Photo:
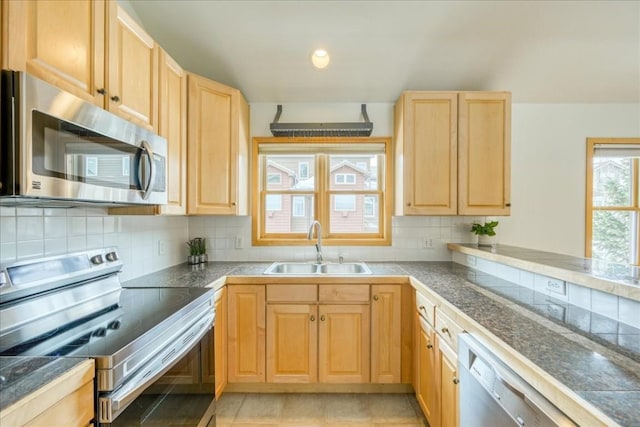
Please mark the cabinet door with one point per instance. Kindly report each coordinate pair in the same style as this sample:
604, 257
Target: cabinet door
429, 144
343, 343
220, 340
448, 378
172, 124
426, 392
217, 148
132, 70
246, 333
484, 150
59, 41
292, 343
385, 333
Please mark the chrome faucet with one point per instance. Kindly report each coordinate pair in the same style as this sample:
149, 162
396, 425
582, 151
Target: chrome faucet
319, 236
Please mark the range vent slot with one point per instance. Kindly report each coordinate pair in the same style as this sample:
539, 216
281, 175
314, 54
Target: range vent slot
322, 129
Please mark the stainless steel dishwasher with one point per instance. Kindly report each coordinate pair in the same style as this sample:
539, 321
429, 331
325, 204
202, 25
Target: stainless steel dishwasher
493, 395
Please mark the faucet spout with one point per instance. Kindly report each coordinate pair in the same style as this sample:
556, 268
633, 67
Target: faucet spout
316, 224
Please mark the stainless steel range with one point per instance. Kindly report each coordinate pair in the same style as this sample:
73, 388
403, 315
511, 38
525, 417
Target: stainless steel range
153, 347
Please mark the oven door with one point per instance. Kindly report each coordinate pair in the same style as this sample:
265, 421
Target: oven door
176, 388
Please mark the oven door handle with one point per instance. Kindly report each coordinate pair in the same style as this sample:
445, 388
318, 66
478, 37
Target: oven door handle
148, 151
113, 403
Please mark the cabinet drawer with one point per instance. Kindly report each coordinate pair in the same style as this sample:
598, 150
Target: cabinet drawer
447, 329
292, 293
425, 308
344, 293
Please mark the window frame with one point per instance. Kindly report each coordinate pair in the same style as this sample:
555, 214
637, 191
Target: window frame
635, 196
322, 192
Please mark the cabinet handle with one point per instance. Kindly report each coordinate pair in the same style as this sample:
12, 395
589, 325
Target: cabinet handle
446, 331
312, 318
115, 98
409, 204
422, 308
233, 203
322, 318
456, 380
376, 298
508, 205
101, 91
429, 346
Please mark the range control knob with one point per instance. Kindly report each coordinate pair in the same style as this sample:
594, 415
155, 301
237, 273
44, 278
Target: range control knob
100, 332
115, 324
97, 260
112, 256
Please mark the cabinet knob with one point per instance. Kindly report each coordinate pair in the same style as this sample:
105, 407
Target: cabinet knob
312, 318
446, 331
429, 346
409, 204
233, 203
101, 91
456, 380
508, 205
376, 298
115, 98
422, 308
322, 318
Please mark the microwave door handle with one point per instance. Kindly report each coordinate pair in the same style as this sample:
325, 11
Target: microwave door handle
148, 151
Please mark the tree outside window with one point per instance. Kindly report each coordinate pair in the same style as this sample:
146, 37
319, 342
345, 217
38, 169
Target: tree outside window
613, 210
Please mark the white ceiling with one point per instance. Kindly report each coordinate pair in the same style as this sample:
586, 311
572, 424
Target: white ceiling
541, 51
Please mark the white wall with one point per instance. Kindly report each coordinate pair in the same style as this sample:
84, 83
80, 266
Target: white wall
548, 168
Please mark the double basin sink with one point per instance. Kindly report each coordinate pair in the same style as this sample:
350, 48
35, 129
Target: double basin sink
302, 268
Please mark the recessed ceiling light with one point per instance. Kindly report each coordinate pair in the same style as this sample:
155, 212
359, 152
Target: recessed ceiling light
320, 58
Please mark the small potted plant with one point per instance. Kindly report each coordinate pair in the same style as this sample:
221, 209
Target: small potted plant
485, 232
197, 250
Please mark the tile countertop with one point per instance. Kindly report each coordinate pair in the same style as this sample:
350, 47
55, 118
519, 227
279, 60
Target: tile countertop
591, 374
618, 279
21, 376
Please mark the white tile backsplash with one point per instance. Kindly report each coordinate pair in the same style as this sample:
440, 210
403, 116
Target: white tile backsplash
604, 304
629, 312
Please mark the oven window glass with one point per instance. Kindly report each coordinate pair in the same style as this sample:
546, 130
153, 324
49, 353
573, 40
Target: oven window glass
64, 150
183, 396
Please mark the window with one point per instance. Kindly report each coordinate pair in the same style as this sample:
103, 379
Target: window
345, 197
91, 166
274, 178
298, 206
613, 200
345, 178
274, 202
369, 206
344, 202
303, 170
126, 164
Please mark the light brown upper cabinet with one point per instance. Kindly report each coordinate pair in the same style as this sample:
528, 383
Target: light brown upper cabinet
217, 149
74, 57
453, 153
132, 62
172, 124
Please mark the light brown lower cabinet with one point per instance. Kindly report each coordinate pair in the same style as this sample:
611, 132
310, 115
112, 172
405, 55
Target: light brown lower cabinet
68, 401
246, 333
425, 383
436, 366
292, 343
386, 331
220, 341
343, 341
447, 376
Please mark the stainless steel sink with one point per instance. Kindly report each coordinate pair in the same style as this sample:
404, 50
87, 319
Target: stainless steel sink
304, 268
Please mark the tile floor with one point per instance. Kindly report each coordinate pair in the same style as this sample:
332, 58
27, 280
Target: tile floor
318, 410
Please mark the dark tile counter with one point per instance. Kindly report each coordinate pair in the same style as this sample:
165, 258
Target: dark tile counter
21, 376
602, 372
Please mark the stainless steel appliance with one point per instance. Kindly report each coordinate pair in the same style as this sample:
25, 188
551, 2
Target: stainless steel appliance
58, 148
153, 347
492, 395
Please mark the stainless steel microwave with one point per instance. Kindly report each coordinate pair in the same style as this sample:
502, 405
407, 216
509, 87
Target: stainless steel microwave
59, 150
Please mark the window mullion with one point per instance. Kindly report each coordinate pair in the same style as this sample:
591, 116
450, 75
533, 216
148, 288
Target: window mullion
322, 202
